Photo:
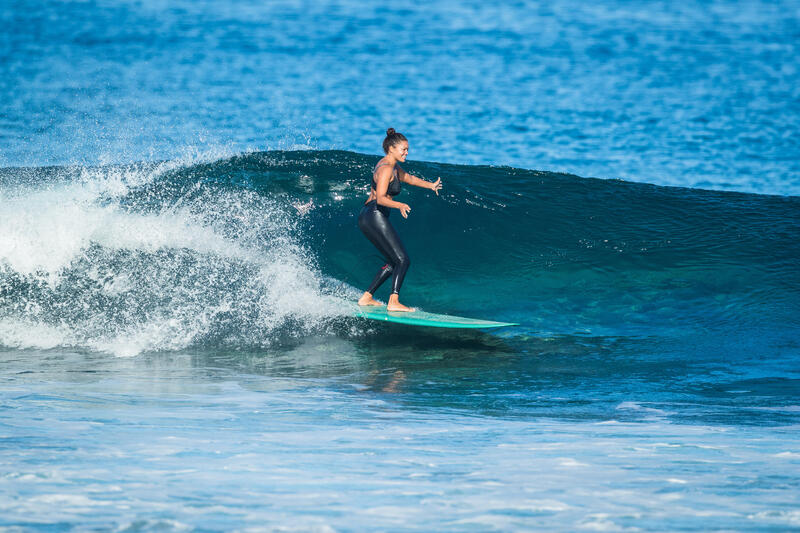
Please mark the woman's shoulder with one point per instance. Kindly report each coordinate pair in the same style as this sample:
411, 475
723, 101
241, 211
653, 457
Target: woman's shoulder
382, 163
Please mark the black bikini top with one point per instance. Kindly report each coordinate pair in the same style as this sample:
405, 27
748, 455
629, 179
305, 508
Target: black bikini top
394, 185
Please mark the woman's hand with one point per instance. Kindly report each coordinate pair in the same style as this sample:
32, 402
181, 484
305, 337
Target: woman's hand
404, 210
436, 186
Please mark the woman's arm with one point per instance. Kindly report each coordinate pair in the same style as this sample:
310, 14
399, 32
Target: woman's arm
405, 177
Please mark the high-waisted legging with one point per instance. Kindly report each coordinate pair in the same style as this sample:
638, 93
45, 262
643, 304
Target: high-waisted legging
373, 221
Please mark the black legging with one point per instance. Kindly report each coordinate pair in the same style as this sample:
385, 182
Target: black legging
373, 221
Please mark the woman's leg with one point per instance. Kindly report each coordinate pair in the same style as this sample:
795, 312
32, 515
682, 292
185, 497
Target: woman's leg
401, 264
383, 274
376, 227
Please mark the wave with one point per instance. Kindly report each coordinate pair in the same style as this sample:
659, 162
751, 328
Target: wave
248, 249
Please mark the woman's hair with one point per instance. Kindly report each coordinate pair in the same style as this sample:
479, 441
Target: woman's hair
392, 138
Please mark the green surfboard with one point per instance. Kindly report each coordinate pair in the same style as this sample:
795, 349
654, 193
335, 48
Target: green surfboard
421, 318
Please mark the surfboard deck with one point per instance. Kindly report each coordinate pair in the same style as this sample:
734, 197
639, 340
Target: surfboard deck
422, 318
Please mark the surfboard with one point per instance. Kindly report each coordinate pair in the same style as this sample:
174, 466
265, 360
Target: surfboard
422, 318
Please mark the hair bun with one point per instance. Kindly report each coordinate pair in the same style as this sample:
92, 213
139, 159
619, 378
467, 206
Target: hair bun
392, 138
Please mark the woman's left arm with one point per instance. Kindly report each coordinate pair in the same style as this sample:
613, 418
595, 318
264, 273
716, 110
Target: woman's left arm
405, 177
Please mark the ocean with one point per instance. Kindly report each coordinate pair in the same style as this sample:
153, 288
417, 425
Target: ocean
179, 263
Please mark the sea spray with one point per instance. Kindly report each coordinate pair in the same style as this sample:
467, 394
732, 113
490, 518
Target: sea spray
108, 262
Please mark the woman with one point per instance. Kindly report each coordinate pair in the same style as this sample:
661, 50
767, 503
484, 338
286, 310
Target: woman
374, 218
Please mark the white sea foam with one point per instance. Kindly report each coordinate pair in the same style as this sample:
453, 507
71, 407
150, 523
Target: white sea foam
788, 455
155, 275
791, 517
20, 333
601, 522
633, 406
44, 232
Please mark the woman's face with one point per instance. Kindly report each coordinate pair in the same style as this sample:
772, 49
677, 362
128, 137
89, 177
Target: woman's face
400, 151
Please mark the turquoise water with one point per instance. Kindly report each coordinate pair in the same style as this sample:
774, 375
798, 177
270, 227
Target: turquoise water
179, 256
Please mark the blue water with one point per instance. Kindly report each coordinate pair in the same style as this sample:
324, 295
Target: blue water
179, 258
699, 94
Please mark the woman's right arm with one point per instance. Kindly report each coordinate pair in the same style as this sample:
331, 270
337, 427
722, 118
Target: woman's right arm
382, 179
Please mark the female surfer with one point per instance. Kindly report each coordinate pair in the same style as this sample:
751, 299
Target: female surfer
374, 218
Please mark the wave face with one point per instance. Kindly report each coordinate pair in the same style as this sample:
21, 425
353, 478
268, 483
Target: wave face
247, 250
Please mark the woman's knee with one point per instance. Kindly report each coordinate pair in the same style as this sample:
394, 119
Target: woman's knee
403, 262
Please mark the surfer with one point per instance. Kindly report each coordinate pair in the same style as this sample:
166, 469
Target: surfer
373, 220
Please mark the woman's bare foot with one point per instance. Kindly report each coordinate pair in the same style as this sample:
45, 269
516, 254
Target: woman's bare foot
367, 299
395, 305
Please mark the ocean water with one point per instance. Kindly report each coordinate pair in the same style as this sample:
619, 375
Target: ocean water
698, 94
179, 259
